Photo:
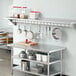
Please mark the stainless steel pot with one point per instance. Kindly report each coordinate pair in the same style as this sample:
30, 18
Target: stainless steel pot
25, 65
23, 54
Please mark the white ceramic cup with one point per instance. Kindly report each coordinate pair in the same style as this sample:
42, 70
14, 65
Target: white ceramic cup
44, 58
38, 57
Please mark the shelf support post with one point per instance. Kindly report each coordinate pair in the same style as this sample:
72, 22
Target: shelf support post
11, 61
61, 63
48, 66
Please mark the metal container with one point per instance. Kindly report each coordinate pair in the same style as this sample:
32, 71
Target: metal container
31, 55
40, 68
23, 54
25, 65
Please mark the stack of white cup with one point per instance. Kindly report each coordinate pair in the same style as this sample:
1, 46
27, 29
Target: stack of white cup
42, 57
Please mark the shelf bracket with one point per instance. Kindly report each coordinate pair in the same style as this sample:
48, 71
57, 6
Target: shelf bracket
14, 22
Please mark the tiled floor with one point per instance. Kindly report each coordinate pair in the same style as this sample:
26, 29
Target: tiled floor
5, 62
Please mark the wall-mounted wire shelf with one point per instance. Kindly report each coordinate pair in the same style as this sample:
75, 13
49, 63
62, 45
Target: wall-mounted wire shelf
47, 22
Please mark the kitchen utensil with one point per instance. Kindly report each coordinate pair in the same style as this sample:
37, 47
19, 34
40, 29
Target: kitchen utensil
30, 34
38, 32
49, 32
25, 65
57, 33
46, 33
31, 55
23, 54
19, 29
25, 30
41, 32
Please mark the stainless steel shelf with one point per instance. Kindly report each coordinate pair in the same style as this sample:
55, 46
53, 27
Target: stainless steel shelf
47, 21
52, 62
18, 68
39, 48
